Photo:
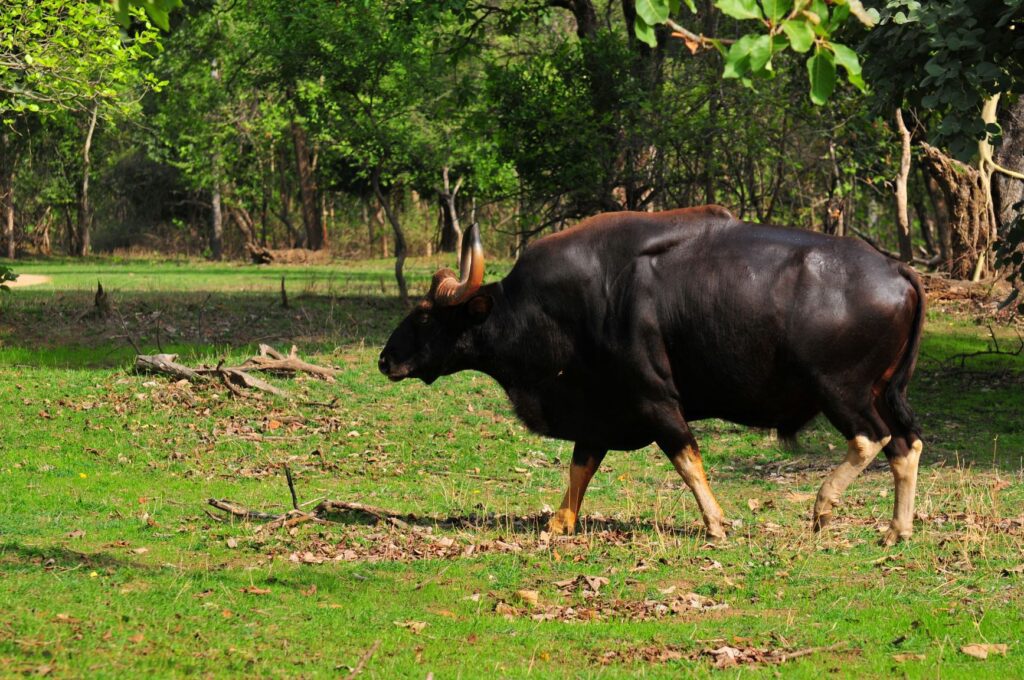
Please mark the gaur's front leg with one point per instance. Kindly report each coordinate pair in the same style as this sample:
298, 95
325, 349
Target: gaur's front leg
585, 461
690, 466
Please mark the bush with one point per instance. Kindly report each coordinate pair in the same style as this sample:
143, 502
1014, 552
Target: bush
6, 275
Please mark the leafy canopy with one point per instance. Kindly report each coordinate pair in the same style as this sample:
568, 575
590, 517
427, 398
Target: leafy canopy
800, 25
60, 56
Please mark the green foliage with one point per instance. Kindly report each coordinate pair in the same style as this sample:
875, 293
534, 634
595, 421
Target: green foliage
158, 11
945, 58
7, 275
740, 9
59, 56
821, 69
798, 25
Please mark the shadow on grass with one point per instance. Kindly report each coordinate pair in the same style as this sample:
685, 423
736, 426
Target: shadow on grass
49, 330
62, 558
510, 523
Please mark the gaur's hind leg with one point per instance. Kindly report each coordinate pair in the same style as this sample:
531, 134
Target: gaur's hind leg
903, 461
690, 466
866, 434
585, 461
861, 450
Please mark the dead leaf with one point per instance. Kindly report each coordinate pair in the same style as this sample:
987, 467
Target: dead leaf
726, 656
981, 650
416, 627
253, 590
506, 610
1014, 571
753, 504
140, 551
530, 597
77, 533
137, 638
310, 591
909, 656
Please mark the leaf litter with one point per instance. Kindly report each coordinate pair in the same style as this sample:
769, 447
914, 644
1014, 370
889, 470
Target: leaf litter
721, 657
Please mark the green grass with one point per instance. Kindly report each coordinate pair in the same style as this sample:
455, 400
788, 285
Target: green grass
111, 566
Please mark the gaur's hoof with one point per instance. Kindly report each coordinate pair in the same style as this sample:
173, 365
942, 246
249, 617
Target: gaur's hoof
821, 521
894, 536
715, 532
562, 523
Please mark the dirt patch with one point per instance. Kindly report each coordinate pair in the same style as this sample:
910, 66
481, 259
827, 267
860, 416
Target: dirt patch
26, 280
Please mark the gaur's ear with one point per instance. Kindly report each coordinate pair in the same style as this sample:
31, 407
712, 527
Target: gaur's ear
480, 307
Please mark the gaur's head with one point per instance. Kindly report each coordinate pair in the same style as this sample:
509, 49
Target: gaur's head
432, 339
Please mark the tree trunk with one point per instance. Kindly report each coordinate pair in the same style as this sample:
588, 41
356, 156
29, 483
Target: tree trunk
315, 237
1008, 191
902, 214
941, 211
403, 290
451, 233
7, 201
243, 220
970, 225
835, 207
71, 238
216, 225
927, 225
44, 241
8, 163
294, 240
84, 203
378, 215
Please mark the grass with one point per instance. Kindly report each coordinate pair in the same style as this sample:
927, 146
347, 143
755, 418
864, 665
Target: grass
110, 565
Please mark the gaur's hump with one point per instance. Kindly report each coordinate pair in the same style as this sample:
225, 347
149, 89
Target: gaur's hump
705, 210
612, 220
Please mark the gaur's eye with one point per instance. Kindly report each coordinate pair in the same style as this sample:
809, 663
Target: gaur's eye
422, 318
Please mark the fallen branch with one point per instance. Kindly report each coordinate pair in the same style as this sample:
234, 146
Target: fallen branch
272, 361
994, 351
166, 364
236, 510
236, 378
328, 507
297, 516
239, 377
364, 660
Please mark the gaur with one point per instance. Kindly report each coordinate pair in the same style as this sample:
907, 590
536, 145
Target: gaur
622, 330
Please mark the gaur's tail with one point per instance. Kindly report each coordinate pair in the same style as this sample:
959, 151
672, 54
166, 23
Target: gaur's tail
895, 392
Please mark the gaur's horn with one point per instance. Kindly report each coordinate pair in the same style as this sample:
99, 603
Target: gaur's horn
452, 291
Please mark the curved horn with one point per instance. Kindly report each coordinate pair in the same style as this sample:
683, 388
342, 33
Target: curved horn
451, 291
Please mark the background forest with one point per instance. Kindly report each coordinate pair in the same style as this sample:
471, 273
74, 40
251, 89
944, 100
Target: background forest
379, 128
323, 521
